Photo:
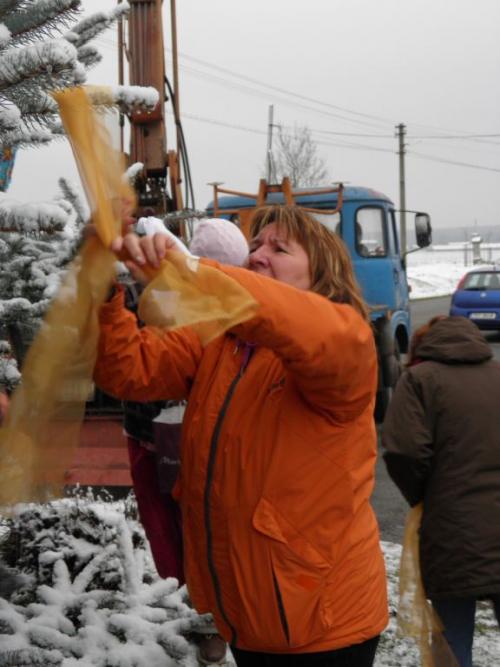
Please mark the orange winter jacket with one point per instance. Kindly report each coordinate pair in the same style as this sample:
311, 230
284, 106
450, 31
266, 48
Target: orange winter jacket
278, 456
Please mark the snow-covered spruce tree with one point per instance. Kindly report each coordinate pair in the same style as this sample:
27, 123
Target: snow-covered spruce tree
42, 48
30, 269
93, 595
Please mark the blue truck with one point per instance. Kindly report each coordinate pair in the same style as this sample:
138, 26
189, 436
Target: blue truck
366, 221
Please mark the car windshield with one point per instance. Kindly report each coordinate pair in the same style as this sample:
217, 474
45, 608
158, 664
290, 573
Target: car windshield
486, 280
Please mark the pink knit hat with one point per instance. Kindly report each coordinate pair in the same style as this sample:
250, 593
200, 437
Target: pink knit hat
221, 240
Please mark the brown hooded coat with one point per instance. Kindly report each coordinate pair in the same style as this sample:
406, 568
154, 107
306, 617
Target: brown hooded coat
442, 442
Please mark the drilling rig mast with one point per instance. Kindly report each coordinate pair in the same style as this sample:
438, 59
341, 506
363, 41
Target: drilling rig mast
158, 185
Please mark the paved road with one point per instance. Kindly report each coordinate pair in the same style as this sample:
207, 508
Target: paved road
389, 506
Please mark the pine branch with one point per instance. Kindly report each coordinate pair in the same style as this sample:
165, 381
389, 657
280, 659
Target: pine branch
10, 377
6, 6
38, 109
53, 63
40, 18
25, 138
31, 218
89, 55
10, 118
91, 26
72, 195
28, 657
15, 309
4, 36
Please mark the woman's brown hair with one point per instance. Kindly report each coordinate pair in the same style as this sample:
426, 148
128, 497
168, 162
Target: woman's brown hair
332, 273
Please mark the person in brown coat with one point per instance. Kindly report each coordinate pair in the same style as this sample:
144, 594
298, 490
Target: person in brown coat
442, 442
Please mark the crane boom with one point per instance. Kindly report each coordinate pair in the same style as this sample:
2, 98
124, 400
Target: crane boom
148, 138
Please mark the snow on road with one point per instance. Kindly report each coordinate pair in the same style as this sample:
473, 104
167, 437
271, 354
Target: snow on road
436, 279
433, 280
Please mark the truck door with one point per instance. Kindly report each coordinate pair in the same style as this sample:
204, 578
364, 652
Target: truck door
398, 270
373, 255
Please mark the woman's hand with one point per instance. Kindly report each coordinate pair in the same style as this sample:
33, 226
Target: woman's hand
4, 406
142, 252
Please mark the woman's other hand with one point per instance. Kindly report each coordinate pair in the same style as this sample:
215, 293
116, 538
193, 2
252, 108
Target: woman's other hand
4, 406
140, 253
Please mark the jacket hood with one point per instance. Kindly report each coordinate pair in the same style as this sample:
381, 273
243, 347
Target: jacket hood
454, 340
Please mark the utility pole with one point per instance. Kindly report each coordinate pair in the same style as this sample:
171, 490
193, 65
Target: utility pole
121, 79
270, 125
401, 131
175, 68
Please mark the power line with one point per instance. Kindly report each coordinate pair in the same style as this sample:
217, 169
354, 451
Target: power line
455, 136
343, 144
463, 135
379, 119
263, 94
231, 84
435, 158
253, 130
221, 123
351, 134
354, 146
283, 90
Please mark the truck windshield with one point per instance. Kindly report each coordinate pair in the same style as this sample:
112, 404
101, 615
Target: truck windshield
370, 232
330, 220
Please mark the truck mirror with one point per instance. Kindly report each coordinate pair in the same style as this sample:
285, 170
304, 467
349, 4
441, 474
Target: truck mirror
423, 230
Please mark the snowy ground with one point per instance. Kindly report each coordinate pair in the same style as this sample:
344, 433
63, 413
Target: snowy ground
396, 652
436, 279
99, 603
431, 280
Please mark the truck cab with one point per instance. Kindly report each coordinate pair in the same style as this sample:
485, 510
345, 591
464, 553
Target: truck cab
366, 221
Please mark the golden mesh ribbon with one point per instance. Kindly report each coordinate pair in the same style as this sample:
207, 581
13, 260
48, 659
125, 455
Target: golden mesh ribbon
416, 617
186, 292
42, 429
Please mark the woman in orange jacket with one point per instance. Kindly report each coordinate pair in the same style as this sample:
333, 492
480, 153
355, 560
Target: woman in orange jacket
278, 447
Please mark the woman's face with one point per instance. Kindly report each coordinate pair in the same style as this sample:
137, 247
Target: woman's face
273, 255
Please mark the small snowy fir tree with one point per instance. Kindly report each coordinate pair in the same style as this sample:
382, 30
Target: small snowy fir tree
30, 270
42, 48
92, 595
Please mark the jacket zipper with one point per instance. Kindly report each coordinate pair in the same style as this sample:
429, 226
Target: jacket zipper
247, 353
281, 606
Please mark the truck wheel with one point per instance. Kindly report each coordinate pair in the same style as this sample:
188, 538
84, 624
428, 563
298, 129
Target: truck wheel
382, 403
390, 366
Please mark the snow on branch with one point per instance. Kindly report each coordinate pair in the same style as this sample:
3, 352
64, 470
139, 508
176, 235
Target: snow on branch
14, 309
6, 6
40, 108
89, 55
133, 172
127, 98
94, 25
53, 62
25, 137
95, 593
4, 35
10, 117
9, 373
71, 194
24, 218
130, 98
39, 19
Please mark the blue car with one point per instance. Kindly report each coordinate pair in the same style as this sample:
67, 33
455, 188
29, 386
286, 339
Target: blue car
477, 297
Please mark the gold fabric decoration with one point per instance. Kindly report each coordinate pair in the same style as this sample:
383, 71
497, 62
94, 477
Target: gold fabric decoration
42, 428
416, 617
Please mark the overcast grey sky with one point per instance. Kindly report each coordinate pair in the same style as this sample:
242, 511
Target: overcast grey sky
364, 67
